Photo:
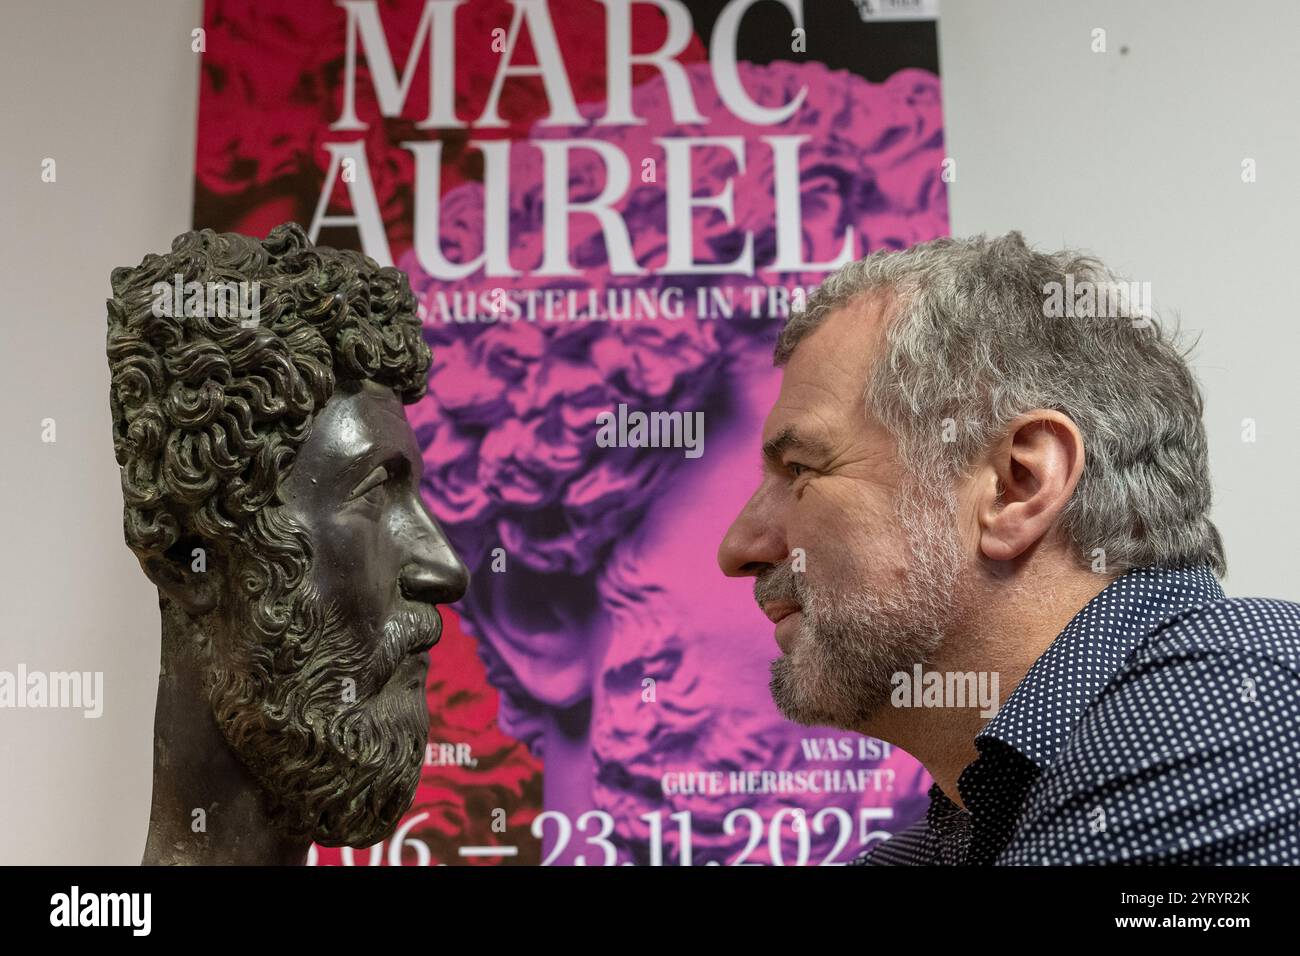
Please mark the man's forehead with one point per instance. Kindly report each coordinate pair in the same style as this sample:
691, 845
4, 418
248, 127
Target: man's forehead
823, 384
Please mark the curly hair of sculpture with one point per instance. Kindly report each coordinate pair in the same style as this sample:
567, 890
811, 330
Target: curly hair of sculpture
271, 492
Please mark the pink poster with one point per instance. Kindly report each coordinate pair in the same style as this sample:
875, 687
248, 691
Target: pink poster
606, 209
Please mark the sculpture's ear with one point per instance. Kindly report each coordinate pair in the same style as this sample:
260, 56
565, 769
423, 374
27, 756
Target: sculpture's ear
185, 575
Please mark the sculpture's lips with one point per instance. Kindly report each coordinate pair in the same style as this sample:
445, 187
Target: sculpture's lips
423, 648
421, 626
425, 630
417, 665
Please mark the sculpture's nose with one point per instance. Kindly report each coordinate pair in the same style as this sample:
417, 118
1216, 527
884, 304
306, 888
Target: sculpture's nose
434, 572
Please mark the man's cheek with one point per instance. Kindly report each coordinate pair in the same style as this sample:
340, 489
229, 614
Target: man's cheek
831, 505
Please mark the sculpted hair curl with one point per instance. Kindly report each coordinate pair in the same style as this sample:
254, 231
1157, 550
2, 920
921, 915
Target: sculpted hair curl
208, 412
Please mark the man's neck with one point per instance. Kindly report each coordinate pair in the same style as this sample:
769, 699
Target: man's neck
207, 808
1015, 623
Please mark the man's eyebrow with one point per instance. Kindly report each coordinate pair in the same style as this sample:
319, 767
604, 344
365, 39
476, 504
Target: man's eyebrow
775, 447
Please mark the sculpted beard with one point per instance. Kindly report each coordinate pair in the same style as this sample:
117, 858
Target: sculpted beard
335, 767
854, 635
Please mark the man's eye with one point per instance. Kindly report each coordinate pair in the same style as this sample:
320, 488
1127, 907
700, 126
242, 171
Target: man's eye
372, 483
795, 469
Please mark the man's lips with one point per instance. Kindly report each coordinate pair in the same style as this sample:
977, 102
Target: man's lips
779, 610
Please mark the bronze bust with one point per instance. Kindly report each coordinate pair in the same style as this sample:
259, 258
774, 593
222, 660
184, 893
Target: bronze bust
271, 488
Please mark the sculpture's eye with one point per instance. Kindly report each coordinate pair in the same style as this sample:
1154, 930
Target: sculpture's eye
371, 485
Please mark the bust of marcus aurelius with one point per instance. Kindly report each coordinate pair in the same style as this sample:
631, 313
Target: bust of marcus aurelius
270, 485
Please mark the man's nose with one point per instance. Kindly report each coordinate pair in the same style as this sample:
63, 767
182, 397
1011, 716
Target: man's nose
434, 572
754, 541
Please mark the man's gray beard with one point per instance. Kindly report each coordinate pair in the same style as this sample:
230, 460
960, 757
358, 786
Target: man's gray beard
340, 773
852, 640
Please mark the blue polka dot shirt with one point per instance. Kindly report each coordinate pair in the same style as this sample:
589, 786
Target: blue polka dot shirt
1162, 726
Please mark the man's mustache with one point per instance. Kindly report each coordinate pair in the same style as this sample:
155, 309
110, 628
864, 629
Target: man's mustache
779, 584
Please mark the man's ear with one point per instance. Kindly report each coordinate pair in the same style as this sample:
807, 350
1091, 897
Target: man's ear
1030, 476
184, 573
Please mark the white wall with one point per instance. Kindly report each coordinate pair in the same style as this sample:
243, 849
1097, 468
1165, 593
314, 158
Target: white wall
108, 89
1135, 156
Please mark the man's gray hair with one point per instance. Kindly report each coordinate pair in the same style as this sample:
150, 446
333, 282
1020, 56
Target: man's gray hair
977, 336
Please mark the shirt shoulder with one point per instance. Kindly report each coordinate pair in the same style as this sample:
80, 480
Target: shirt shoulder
1190, 754
909, 847
1241, 628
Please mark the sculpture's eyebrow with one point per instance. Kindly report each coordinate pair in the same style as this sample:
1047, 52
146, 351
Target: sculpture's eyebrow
376, 476
774, 448
377, 453
373, 456
379, 439
363, 460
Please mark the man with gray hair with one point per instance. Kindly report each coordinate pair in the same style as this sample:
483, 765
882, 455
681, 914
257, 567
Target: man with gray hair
966, 485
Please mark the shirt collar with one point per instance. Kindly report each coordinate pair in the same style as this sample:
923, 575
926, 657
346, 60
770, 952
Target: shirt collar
1039, 714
